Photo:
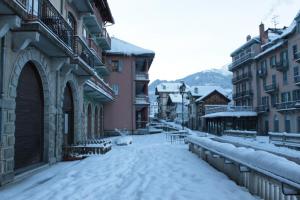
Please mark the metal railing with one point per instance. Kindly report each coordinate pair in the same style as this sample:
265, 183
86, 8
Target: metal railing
44, 11
142, 99
241, 77
297, 56
288, 105
94, 47
242, 94
105, 35
271, 88
263, 108
23, 3
83, 51
282, 65
100, 83
225, 108
241, 60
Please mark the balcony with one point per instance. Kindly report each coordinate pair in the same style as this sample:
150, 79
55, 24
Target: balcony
209, 109
142, 100
282, 66
297, 80
288, 106
93, 21
240, 61
243, 94
44, 27
141, 76
103, 39
82, 6
99, 90
84, 53
263, 108
271, 88
262, 73
242, 77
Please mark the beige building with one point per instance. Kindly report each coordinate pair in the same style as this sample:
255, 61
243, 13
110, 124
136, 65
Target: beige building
266, 76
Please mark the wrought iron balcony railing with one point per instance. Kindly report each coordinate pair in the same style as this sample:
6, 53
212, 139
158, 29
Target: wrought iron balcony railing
83, 51
241, 60
282, 65
290, 105
263, 108
271, 88
143, 76
242, 94
242, 77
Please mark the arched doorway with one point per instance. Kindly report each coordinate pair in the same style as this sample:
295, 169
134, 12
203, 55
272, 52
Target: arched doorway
68, 114
96, 132
29, 132
89, 131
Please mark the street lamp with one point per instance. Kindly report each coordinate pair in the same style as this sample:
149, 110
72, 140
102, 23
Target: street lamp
182, 91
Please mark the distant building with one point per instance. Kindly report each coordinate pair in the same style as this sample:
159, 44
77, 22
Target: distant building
266, 76
129, 78
153, 109
213, 97
162, 91
175, 111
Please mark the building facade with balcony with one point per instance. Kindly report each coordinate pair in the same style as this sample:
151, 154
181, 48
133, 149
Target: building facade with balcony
48, 68
275, 74
128, 66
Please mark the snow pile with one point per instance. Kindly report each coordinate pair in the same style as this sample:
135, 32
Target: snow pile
231, 114
124, 140
260, 159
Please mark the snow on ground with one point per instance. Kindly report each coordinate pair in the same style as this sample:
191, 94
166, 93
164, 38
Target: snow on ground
150, 168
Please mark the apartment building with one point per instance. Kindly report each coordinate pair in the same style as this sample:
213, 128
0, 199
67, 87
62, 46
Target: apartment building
266, 76
128, 66
52, 87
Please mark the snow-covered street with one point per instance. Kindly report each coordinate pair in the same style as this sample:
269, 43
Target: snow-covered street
150, 168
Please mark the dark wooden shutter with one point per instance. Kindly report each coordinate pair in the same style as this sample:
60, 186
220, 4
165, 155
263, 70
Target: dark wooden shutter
29, 118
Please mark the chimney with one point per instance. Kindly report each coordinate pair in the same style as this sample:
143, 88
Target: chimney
262, 34
248, 38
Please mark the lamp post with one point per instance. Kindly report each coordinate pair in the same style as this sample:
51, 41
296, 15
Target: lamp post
182, 91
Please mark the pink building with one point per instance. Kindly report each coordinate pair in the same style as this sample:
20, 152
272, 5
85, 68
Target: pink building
128, 66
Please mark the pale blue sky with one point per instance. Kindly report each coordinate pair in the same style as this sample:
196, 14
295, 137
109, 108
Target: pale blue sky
193, 35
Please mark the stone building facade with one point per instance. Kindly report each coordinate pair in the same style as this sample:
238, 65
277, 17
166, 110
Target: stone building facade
51, 71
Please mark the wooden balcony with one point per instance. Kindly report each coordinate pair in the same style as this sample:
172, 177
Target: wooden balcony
297, 80
263, 108
242, 77
282, 66
240, 61
271, 88
288, 106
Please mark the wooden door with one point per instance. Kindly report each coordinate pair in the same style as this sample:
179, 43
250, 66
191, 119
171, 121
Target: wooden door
29, 118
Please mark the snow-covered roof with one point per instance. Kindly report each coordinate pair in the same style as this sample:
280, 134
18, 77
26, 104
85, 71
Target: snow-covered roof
207, 90
175, 98
279, 44
170, 87
231, 114
125, 48
203, 90
247, 44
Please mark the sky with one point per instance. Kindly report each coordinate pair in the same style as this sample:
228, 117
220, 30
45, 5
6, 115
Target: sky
189, 36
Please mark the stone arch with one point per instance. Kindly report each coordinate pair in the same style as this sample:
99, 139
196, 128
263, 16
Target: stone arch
40, 63
71, 81
89, 121
96, 121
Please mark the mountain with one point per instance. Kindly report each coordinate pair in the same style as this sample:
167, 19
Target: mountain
219, 77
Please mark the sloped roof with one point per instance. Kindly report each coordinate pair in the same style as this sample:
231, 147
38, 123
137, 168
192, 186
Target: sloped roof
204, 90
121, 47
170, 87
219, 90
177, 98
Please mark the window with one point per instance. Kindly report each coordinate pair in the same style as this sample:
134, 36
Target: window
284, 56
287, 123
84, 32
296, 71
265, 100
274, 79
115, 88
285, 78
296, 95
263, 65
276, 124
285, 97
295, 50
273, 61
116, 65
